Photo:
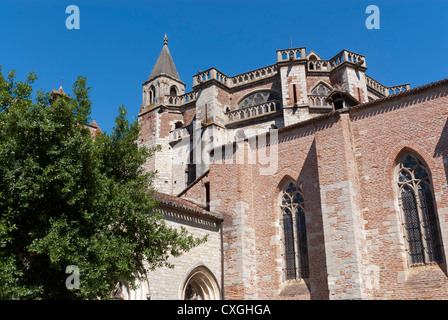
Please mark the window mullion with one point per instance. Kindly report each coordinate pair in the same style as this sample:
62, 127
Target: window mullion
296, 241
402, 223
421, 221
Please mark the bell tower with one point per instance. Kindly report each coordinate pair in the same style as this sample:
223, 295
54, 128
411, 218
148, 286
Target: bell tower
159, 114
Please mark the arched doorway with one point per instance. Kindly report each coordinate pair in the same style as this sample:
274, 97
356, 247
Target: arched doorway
201, 284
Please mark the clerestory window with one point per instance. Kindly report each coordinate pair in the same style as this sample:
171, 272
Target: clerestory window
258, 98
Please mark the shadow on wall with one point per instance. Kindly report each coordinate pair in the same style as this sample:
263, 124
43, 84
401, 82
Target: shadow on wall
441, 149
309, 177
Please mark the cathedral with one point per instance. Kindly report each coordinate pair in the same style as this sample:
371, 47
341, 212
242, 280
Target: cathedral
311, 180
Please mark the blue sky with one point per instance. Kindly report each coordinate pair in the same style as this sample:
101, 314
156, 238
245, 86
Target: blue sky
118, 42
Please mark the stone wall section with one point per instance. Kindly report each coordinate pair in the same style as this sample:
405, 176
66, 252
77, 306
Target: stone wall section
168, 283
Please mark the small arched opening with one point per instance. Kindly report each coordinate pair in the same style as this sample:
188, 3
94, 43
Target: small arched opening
173, 91
152, 95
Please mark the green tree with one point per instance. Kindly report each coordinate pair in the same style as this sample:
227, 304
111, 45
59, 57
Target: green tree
67, 198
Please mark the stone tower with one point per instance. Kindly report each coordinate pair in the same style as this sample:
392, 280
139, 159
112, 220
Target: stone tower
158, 119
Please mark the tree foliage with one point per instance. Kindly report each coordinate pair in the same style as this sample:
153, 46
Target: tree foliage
67, 198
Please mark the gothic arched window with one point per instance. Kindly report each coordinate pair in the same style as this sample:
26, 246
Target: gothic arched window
417, 203
258, 98
295, 260
152, 94
319, 94
173, 91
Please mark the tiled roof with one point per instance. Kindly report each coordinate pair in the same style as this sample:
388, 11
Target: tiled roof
189, 116
343, 93
184, 205
58, 92
94, 128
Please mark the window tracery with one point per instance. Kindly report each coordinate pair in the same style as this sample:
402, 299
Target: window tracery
319, 94
152, 94
294, 233
257, 98
419, 212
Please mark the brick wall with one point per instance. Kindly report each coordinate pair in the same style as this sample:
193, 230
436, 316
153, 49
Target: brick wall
344, 165
415, 123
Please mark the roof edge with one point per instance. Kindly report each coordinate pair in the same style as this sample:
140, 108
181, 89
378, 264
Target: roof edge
402, 94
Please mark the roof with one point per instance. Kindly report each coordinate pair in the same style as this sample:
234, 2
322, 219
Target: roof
164, 64
188, 116
402, 94
184, 205
94, 128
429, 86
334, 94
59, 92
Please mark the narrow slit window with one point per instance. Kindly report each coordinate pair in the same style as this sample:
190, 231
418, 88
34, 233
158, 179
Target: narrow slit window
295, 93
207, 195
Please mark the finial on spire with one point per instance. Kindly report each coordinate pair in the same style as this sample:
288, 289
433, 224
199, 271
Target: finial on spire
165, 40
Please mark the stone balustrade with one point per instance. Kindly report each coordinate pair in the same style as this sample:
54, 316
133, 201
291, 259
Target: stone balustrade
328, 65
253, 111
180, 100
210, 74
347, 56
179, 133
253, 75
291, 54
375, 85
398, 88
319, 65
241, 79
385, 91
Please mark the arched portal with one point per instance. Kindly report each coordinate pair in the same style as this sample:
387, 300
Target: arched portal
201, 284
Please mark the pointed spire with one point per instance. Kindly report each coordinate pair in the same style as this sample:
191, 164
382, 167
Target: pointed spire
94, 129
165, 63
94, 124
59, 92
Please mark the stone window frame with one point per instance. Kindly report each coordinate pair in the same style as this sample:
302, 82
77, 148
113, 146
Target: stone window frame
201, 284
252, 94
408, 176
318, 99
301, 257
152, 94
174, 89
